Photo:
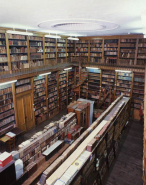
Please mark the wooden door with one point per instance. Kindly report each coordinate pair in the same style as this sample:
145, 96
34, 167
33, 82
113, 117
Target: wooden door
25, 119
28, 111
20, 107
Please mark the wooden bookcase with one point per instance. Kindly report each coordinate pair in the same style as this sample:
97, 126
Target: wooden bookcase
141, 54
96, 50
82, 47
36, 51
3, 53
52, 94
50, 49
7, 114
123, 84
18, 51
94, 85
127, 51
70, 48
110, 51
62, 89
61, 50
40, 103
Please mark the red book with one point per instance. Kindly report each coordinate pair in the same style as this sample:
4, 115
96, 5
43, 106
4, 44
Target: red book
5, 158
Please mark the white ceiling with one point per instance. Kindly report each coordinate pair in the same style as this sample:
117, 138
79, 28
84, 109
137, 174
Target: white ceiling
84, 17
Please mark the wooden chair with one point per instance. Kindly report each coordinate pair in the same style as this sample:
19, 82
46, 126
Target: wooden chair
11, 143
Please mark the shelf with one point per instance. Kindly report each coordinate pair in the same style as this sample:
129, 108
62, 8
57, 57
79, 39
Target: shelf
40, 102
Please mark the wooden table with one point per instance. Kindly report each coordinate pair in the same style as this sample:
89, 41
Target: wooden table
4, 139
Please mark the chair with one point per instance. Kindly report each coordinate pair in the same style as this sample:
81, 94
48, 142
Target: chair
11, 143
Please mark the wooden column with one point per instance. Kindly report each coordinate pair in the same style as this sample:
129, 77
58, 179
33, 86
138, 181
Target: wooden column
47, 102
144, 138
115, 85
119, 41
14, 101
8, 52
44, 50
75, 73
56, 50
87, 83
75, 48
28, 51
100, 87
136, 51
66, 50
103, 51
32, 88
58, 89
131, 92
89, 51
67, 86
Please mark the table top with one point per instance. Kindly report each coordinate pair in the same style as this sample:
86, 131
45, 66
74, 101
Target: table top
17, 131
4, 139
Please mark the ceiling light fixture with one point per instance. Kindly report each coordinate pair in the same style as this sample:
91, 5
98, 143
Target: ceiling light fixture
53, 36
19, 32
5, 83
92, 67
68, 68
45, 74
73, 38
123, 71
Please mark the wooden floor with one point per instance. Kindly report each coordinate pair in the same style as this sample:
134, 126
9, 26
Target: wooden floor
127, 167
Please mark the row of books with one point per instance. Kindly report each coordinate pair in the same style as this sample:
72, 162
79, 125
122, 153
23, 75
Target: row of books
35, 38
7, 113
17, 43
18, 58
5, 90
6, 101
3, 50
51, 55
127, 55
50, 50
35, 43
41, 104
42, 110
128, 40
50, 44
6, 108
18, 50
23, 88
111, 53
14, 36
3, 58
7, 120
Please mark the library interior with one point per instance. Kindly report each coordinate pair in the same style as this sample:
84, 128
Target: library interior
73, 92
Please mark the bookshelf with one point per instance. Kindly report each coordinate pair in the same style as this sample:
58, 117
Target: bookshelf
127, 51
50, 49
36, 51
110, 51
94, 84
7, 117
108, 85
23, 85
18, 51
82, 48
62, 89
124, 84
3, 53
70, 48
40, 106
61, 49
96, 50
70, 82
141, 54
138, 90
84, 86
52, 89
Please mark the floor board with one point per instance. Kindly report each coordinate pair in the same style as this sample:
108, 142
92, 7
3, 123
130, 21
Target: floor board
127, 167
